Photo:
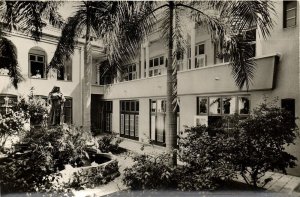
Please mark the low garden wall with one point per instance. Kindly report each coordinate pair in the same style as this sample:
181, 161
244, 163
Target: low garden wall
90, 176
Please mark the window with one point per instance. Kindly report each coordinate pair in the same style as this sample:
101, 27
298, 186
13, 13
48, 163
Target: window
156, 66
129, 118
37, 63
7, 102
107, 115
250, 38
220, 57
243, 105
200, 60
179, 58
289, 13
158, 121
106, 75
215, 107
65, 72
130, 72
68, 110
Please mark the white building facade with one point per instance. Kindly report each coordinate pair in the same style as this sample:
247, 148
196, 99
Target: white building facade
134, 106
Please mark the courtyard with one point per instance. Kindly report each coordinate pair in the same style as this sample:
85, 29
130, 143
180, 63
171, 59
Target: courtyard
149, 98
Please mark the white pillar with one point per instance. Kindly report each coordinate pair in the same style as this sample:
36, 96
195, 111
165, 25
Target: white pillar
147, 59
98, 73
142, 61
185, 55
193, 44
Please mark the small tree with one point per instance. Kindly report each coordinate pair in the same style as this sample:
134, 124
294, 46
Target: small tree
206, 153
260, 143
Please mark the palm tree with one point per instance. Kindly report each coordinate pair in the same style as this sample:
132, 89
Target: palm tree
227, 23
123, 26
101, 20
26, 16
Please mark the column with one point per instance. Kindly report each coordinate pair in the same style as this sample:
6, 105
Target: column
137, 68
193, 44
142, 61
147, 59
117, 79
185, 55
98, 73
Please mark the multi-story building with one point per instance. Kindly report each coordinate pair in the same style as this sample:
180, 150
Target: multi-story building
33, 58
133, 105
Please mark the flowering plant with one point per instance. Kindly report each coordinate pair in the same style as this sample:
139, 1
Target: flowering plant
11, 124
37, 109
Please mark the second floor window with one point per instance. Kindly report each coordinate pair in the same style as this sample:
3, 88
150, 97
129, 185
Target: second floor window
250, 37
130, 72
289, 13
200, 60
65, 72
37, 66
156, 66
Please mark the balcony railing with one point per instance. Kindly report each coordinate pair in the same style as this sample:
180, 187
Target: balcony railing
209, 79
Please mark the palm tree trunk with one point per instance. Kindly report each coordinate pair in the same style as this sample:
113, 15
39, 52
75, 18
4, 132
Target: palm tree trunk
87, 76
171, 134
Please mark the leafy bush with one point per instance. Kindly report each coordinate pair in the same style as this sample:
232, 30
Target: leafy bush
11, 124
45, 151
150, 172
37, 109
109, 143
206, 155
260, 142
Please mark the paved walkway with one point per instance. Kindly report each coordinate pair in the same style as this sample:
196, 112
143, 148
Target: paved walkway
281, 185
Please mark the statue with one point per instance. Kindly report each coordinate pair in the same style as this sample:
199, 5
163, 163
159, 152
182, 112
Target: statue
56, 101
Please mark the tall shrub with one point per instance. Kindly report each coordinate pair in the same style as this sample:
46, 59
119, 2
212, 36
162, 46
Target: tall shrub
150, 172
206, 153
261, 140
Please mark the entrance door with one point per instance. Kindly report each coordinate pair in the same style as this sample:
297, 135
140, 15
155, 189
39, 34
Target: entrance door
101, 115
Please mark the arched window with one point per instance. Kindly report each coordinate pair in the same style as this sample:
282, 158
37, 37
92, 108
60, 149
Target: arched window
37, 63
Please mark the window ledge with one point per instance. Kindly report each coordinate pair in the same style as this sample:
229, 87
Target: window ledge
64, 80
38, 78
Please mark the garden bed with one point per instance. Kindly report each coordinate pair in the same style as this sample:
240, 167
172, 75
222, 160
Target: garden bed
104, 168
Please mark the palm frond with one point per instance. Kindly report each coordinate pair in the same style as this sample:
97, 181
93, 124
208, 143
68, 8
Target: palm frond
68, 40
246, 14
29, 15
9, 60
50, 13
241, 60
130, 24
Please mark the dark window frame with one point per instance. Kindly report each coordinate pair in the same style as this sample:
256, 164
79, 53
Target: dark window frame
70, 116
30, 61
129, 108
65, 70
285, 10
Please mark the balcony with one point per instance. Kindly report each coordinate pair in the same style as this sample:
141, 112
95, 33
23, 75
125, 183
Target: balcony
218, 78
205, 80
